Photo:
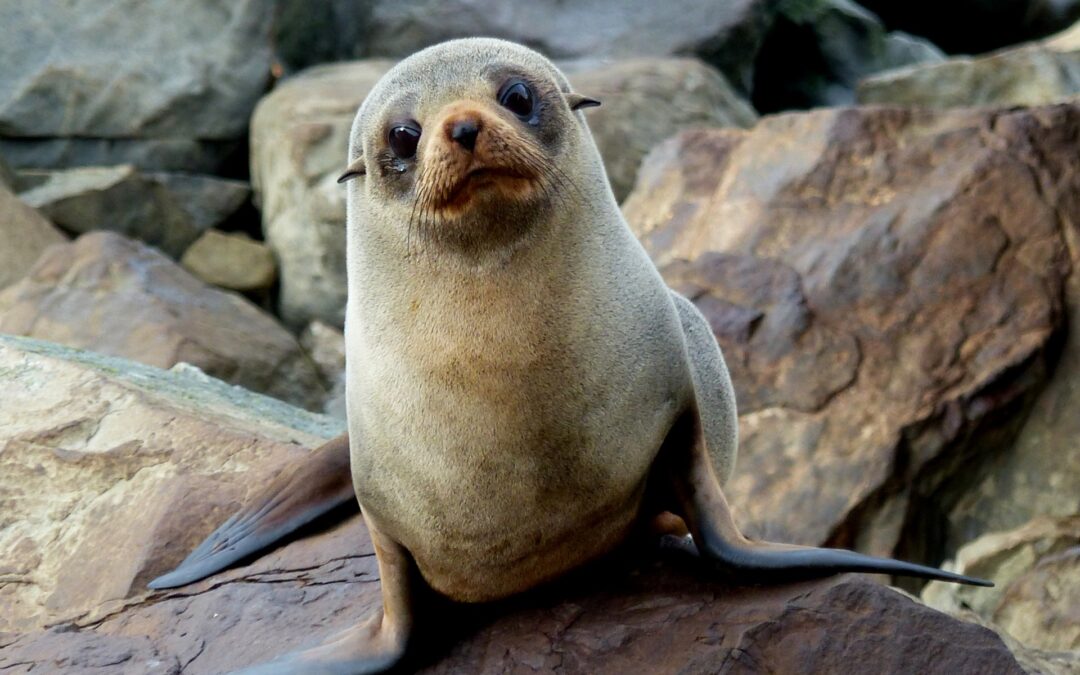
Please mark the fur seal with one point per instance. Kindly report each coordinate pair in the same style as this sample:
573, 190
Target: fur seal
523, 388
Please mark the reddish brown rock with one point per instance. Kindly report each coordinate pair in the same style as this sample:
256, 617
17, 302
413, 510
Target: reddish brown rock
116, 296
888, 288
626, 617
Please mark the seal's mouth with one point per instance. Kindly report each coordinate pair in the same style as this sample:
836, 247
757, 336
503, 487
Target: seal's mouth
485, 179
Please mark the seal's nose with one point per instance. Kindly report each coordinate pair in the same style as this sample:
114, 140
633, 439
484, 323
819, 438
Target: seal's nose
464, 133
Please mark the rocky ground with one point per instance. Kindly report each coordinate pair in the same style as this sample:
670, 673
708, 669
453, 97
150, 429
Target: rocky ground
878, 214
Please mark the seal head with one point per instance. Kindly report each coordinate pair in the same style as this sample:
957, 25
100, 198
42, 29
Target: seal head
474, 161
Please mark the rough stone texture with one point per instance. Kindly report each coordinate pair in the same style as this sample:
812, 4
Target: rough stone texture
111, 471
604, 621
168, 211
300, 135
1033, 74
326, 346
648, 100
155, 154
1041, 475
25, 234
180, 73
233, 261
116, 296
727, 34
1042, 608
887, 286
817, 50
7, 176
1036, 572
299, 146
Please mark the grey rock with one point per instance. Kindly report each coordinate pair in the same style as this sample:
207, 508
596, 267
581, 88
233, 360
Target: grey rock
7, 176
154, 154
160, 71
1035, 569
818, 50
25, 234
727, 34
169, 211
646, 100
326, 347
299, 143
977, 26
1032, 74
310, 33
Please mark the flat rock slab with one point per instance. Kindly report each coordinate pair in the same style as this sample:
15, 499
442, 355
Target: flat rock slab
111, 472
630, 616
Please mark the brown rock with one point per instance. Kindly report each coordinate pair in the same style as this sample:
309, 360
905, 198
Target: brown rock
110, 472
116, 296
888, 286
604, 620
233, 261
25, 234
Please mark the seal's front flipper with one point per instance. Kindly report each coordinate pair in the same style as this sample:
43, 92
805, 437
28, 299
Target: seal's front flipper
312, 486
374, 645
708, 516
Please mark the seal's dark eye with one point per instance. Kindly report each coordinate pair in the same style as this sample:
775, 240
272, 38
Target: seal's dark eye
403, 139
518, 99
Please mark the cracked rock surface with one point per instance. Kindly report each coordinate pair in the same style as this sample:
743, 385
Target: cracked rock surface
118, 296
889, 289
111, 472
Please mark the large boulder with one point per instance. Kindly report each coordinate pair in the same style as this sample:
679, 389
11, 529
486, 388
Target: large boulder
117, 296
299, 145
888, 287
166, 85
727, 34
165, 210
1032, 74
25, 234
110, 471
299, 141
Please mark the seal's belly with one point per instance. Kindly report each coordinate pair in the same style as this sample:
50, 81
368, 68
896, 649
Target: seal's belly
486, 525
494, 494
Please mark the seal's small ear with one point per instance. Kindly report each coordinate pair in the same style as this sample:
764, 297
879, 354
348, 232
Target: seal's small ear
356, 168
577, 101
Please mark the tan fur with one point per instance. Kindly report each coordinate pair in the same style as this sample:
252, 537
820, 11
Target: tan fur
511, 377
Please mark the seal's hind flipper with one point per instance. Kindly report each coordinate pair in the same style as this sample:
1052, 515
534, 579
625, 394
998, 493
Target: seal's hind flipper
706, 511
300, 493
